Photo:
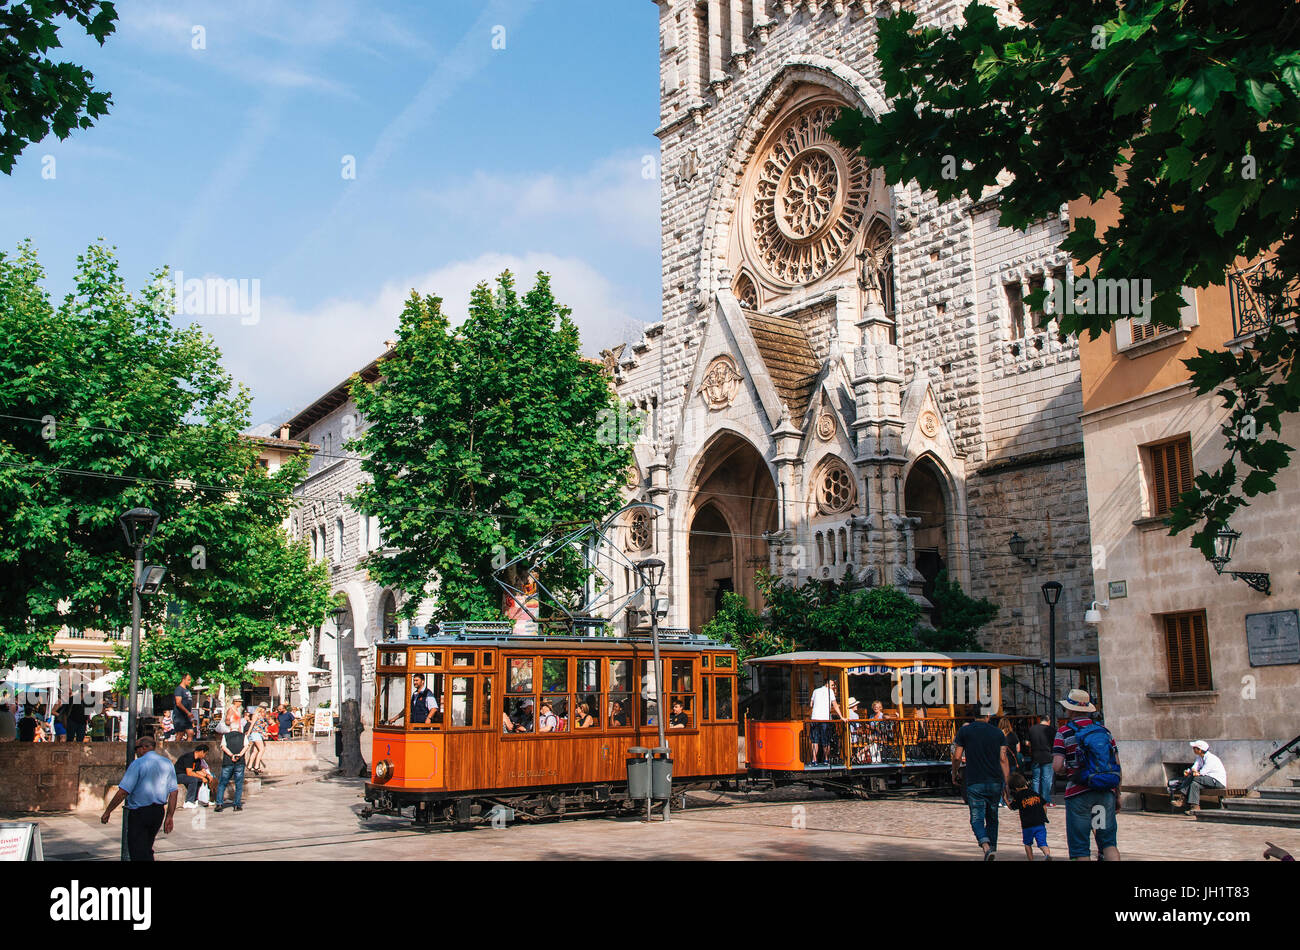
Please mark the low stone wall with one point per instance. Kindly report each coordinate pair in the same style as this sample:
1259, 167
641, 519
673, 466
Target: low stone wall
59, 776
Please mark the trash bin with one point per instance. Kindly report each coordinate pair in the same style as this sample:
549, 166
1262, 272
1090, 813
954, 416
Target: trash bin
638, 773
661, 775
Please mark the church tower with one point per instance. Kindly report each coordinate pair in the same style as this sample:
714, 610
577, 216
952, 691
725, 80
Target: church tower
844, 382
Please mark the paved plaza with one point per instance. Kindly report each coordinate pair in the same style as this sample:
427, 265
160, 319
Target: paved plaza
316, 820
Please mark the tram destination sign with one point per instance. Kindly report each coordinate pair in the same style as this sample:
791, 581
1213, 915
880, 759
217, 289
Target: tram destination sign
1273, 639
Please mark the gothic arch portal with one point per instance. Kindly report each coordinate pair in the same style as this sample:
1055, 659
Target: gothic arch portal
733, 504
927, 498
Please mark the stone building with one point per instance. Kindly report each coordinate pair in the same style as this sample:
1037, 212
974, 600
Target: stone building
342, 536
1186, 652
845, 376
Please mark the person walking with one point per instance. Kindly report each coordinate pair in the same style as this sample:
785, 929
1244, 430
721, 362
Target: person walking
1085, 751
1206, 772
183, 713
983, 747
148, 785
1041, 736
232, 766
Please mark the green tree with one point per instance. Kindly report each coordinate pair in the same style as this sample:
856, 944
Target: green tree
37, 94
479, 440
738, 625
1185, 112
835, 615
958, 618
105, 405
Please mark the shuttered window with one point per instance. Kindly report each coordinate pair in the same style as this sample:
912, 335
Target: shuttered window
1171, 473
1188, 649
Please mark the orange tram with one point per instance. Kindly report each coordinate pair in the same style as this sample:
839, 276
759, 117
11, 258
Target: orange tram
472, 727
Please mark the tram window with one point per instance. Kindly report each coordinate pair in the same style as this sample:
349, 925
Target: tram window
722, 662
392, 700
618, 715
679, 712
392, 658
704, 691
704, 662
649, 683
681, 676
462, 659
555, 674
521, 675
722, 694
586, 711
649, 713
518, 715
485, 701
589, 675
428, 658
462, 697
774, 693
487, 659
620, 676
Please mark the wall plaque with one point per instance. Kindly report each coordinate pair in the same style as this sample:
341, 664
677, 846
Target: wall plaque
1273, 639
1117, 589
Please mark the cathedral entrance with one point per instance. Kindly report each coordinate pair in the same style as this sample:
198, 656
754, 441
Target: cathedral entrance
923, 498
734, 503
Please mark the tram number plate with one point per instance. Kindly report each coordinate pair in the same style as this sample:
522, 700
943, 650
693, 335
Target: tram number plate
533, 773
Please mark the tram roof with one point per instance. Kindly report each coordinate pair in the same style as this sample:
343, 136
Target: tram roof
549, 640
894, 658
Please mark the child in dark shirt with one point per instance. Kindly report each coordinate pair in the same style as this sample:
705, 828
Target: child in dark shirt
1033, 816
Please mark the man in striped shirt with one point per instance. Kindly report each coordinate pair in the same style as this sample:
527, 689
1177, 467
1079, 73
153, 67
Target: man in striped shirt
1088, 810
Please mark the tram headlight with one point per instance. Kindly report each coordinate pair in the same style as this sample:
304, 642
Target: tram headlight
383, 771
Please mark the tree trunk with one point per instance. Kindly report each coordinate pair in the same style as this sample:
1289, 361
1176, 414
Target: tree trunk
352, 763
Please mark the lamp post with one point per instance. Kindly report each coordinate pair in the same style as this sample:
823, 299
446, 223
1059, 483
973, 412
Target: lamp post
652, 574
1225, 539
1051, 594
138, 525
337, 615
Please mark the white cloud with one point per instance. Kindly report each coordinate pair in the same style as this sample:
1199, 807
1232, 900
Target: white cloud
291, 356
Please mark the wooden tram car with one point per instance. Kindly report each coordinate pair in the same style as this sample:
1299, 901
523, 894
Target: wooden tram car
509, 732
924, 698
512, 730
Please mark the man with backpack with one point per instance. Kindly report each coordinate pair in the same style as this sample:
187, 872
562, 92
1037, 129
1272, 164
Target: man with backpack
1085, 751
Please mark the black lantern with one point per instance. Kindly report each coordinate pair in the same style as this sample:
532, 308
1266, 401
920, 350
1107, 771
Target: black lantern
337, 615
651, 571
1225, 540
1017, 545
1052, 592
138, 525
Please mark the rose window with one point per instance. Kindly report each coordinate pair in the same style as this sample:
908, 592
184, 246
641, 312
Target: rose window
835, 491
807, 199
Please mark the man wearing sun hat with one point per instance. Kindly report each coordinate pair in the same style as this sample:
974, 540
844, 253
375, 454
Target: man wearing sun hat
1206, 772
1088, 808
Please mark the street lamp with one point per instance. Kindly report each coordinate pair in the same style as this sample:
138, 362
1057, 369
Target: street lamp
1225, 539
138, 525
1051, 594
651, 570
337, 615
1017, 545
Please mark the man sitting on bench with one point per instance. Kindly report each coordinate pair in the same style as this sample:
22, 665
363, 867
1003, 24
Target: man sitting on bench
1206, 772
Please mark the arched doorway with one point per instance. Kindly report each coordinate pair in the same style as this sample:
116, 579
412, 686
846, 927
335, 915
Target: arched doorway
734, 503
923, 498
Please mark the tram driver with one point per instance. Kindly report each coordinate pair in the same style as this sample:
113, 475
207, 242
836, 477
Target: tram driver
424, 705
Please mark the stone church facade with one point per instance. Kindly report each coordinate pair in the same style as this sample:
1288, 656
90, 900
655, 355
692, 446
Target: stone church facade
845, 378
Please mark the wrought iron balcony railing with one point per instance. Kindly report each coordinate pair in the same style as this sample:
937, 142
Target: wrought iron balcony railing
1261, 296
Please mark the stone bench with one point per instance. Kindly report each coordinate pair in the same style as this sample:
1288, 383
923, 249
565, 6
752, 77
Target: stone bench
1156, 798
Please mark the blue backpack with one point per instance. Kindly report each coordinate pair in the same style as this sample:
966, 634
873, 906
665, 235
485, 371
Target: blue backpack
1098, 766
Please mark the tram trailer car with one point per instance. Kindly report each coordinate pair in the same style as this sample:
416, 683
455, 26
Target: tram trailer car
907, 744
534, 727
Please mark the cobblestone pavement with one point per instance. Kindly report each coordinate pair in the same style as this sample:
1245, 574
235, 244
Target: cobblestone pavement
317, 821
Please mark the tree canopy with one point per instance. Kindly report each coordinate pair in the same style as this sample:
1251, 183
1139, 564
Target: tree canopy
37, 94
105, 406
1185, 112
481, 438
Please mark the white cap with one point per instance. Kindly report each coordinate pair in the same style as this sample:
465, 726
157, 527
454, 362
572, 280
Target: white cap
1200, 744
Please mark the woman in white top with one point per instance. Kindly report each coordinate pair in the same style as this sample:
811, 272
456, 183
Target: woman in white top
256, 738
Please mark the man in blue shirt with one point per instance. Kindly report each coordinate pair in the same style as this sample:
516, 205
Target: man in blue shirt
148, 785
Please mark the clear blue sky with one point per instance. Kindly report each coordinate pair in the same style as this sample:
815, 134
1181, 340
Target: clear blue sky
226, 161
